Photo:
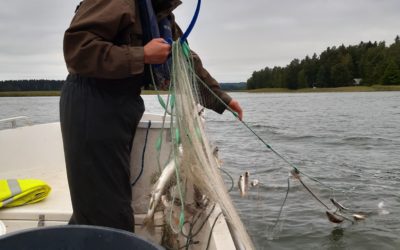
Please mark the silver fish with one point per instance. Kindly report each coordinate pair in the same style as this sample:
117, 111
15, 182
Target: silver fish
158, 190
382, 210
246, 180
254, 183
359, 217
241, 185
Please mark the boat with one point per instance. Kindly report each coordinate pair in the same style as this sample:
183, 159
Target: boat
36, 152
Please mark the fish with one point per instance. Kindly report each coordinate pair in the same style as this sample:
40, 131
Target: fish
215, 151
254, 183
158, 190
166, 203
338, 205
200, 199
201, 113
201, 110
333, 218
295, 173
359, 217
382, 210
241, 185
246, 180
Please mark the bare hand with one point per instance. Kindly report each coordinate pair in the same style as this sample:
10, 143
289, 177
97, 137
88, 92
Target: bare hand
234, 105
156, 51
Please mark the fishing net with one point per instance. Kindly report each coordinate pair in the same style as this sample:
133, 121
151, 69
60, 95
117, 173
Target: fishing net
197, 170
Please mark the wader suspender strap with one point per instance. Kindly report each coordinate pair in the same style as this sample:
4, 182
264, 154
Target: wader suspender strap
154, 29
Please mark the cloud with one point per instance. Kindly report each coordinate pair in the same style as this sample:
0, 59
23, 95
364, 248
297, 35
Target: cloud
234, 37
249, 35
31, 40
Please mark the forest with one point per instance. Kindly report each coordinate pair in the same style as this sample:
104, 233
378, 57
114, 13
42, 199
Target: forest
55, 85
30, 85
367, 63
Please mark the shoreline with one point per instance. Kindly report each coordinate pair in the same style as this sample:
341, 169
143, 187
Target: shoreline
56, 93
373, 88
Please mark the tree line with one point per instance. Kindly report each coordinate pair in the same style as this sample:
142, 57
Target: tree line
233, 86
55, 85
30, 85
369, 63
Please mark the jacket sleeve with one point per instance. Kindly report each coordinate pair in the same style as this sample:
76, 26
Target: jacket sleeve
207, 99
89, 47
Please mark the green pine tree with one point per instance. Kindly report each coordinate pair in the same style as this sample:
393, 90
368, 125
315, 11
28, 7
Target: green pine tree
391, 76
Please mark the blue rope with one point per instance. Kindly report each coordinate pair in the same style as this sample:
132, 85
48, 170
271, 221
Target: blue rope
192, 23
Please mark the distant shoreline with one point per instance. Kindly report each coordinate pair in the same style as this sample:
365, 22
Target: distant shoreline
373, 88
55, 93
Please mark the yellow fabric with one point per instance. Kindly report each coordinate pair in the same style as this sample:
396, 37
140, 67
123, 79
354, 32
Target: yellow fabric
20, 192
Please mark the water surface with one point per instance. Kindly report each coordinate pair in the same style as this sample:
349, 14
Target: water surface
348, 141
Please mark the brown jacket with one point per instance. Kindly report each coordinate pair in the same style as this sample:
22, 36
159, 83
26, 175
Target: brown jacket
104, 42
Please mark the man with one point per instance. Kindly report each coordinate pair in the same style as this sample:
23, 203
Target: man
100, 104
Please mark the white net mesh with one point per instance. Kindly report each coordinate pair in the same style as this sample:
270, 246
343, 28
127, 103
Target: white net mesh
198, 165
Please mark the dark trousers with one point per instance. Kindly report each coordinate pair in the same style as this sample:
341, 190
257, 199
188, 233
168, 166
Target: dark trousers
98, 123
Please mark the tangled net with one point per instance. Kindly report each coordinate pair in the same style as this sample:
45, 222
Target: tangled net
196, 167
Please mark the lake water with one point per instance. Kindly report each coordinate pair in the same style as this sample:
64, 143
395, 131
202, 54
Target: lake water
348, 141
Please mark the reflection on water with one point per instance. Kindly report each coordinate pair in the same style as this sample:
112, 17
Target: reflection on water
336, 240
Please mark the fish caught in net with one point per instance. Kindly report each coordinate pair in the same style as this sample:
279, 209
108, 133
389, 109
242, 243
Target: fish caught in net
190, 185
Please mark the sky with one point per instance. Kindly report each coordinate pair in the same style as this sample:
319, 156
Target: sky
233, 38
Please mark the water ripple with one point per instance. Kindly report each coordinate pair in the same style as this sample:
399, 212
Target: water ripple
348, 141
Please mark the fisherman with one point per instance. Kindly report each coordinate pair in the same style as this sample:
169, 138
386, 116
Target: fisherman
100, 104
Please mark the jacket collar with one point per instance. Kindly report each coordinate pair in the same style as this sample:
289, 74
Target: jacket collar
164, 8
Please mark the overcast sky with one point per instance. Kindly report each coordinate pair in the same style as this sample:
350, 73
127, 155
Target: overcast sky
233, 37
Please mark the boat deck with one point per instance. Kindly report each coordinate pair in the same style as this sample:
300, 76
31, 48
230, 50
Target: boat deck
36, 152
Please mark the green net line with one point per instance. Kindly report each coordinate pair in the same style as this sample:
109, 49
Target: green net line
259, 138
183, 68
